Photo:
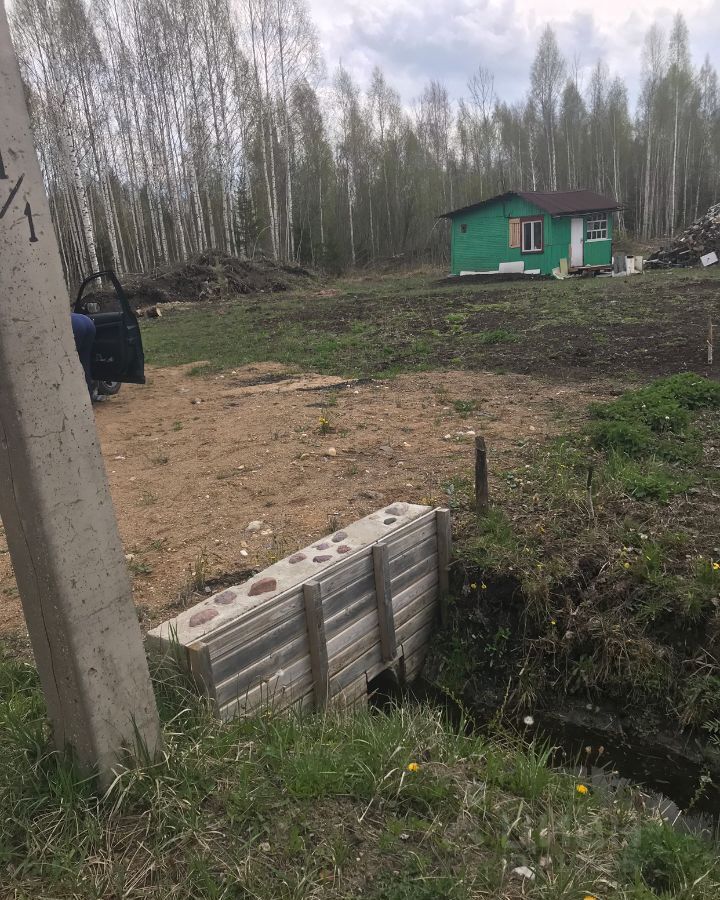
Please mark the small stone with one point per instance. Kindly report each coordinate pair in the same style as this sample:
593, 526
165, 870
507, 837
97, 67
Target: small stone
243, 553
331, 451
338, 536
532, 428
296, 558
405, 444
203, 616
264, 586
389, 521
324, 557
196, 401
343, 548
129, 557
448, 437
255, 525
266, 532
470, 433
226, 598
524, 872
323, 546
207, 590
119, 457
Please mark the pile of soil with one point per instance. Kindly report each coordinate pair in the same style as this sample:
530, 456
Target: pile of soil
208, 276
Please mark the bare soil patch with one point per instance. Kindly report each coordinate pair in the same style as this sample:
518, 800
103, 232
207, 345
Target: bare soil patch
193, 460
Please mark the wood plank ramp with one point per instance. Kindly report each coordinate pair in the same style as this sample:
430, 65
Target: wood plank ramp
316, 627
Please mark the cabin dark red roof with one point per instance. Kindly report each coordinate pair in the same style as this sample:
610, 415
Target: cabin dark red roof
555, 203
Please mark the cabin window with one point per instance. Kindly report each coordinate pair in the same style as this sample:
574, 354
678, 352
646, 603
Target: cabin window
597, 227
514, 232
463, 228
532, 236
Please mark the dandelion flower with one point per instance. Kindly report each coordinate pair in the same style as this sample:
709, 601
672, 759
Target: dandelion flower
473, 586
483, 586
590, 897
716, 566
582, 789
626, 565
528, 720
413, 767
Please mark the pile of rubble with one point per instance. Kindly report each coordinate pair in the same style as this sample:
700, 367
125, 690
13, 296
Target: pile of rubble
702, 239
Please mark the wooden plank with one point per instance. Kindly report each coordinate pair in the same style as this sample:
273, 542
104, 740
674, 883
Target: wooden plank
272, 696
278, 659
412, 555
318, 644
428, 583
444, 543
381, 563
424, 566
357, 608
417, 531
200, 668
250, 625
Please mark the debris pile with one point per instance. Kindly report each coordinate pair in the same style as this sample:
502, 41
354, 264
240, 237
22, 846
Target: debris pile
206, 277
700, 239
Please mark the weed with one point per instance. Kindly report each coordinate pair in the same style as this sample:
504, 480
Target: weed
464, 407
325, 426
177, 426
139, 567
160, 460
198, 572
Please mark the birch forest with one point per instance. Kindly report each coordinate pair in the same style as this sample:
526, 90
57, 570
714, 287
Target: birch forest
168, 127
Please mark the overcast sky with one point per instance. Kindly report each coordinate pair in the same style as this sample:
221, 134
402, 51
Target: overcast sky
416, 40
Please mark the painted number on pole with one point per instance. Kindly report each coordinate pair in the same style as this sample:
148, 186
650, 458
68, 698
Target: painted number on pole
27, 212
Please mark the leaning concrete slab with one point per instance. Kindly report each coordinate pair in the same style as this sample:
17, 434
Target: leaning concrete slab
316, 626
54, 497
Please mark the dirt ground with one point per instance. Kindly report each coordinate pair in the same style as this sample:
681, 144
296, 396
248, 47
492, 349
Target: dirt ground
193, 461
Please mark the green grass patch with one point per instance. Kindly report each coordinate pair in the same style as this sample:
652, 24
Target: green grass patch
386, 805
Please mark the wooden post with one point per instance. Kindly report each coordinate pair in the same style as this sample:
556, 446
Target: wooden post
386, 619
444, 546
318, 644
54, 497
711, 329
482, 501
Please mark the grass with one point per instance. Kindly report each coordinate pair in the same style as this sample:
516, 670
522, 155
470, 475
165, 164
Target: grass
387, 325
380, 805
597, 574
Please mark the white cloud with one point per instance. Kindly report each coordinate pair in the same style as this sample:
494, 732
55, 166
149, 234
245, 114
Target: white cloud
416, 41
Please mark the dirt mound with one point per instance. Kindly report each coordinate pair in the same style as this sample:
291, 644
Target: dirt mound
208, 276
700, 238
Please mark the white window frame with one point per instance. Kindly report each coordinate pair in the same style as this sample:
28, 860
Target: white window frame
596, 227
533, 249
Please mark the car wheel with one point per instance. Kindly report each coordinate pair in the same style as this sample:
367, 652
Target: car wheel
108, 388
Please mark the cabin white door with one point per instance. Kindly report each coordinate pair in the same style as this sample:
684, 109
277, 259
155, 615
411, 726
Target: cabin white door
576, 242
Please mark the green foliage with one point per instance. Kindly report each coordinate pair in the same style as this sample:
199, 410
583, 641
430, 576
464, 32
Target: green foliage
321, 806
669, 863
655, 421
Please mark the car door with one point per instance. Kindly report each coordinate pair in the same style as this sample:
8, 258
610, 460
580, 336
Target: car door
117, 353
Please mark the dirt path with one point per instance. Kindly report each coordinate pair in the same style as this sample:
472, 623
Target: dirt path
192, 461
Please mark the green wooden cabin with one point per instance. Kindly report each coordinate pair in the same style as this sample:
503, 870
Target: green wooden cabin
535, 228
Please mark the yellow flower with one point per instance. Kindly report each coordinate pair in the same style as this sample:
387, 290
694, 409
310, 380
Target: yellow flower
590, 897
473, 586
626, 565
716, 566
483, 586
553, 622
582, 789
413, 767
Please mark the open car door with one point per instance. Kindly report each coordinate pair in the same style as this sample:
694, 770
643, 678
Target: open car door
117, 353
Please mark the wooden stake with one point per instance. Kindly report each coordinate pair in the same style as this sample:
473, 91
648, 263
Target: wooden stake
711, 329
386, 619
482, 494
318, 643
444, 545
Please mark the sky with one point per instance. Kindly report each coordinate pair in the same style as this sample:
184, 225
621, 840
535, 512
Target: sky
414, 41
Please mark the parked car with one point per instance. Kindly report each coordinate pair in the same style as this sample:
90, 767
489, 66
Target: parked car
117, 353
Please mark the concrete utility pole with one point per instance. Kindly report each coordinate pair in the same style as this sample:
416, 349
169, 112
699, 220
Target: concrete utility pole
54, 498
